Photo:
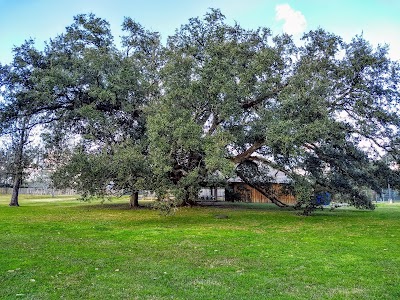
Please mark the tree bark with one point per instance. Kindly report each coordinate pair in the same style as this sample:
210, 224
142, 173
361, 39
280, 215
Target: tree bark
188, 201
246, 154
15, 192
134, 200
19, 165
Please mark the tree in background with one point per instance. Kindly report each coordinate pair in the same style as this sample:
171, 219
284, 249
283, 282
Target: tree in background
18, 115
5, 175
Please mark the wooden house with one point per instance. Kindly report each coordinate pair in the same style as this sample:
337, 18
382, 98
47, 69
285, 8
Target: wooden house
279, 188
240, 191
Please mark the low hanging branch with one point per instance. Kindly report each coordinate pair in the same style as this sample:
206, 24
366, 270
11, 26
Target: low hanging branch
262, 187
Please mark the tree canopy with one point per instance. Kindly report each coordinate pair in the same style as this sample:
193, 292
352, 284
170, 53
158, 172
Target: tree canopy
215, 101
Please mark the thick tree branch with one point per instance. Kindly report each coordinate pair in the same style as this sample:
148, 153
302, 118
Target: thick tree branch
246, 154
274, 93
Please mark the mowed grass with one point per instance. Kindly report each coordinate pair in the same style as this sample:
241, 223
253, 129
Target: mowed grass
65, 249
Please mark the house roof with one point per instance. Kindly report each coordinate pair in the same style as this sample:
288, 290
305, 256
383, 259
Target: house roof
275, 177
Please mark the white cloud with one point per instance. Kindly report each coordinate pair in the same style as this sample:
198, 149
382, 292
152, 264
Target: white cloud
294, 21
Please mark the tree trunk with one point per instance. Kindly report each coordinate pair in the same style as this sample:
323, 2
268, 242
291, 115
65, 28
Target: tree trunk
15, 192
134, 200
188, 200
19, 165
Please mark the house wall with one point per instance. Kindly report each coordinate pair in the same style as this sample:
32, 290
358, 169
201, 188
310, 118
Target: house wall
249, 194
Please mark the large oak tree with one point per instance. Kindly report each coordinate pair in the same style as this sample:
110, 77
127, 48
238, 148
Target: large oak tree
216, 100
322, 112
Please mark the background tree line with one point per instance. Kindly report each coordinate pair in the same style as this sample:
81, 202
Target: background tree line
216, 100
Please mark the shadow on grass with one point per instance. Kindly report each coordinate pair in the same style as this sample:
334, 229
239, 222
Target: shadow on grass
147, 205
222, 206
113, 206
245, 205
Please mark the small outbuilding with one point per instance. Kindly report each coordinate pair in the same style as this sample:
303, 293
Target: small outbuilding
279, 188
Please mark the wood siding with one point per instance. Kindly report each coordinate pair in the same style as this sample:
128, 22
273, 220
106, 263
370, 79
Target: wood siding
249, 194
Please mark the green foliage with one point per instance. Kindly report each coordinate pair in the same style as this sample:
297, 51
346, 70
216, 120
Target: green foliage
216, 97
302, 110
100, 95
18, 114
102, 174
166, 205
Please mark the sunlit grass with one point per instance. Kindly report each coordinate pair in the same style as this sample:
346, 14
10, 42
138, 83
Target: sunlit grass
53, 248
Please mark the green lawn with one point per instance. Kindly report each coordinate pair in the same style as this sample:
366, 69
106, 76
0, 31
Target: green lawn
65, 249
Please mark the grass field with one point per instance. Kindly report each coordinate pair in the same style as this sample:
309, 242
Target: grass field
64, 249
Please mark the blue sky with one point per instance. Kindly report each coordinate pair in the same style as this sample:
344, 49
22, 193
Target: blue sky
378, 20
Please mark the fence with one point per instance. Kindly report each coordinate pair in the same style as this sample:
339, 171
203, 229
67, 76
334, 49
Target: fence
39, 191
389, 195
